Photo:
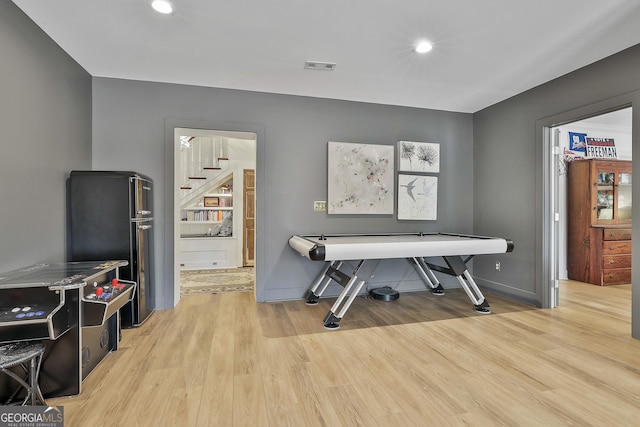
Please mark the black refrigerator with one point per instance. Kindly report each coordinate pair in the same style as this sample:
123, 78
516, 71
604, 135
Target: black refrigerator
111, 218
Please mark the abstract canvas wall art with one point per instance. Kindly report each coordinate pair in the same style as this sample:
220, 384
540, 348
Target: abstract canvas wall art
417, 197
360, 178
419, 157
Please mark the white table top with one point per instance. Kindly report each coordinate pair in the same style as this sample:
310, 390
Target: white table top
407, 245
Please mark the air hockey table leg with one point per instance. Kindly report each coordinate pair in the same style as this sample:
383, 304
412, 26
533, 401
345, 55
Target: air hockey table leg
428, 277
330, 321
479, 301
323, 280
459, 269
362, 274
439, 290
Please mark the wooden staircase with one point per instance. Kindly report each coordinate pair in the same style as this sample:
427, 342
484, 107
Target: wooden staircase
204, 161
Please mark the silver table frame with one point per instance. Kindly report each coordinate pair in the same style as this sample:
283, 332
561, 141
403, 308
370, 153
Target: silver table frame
353, 281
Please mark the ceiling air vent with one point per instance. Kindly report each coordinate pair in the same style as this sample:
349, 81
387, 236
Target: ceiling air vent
321, 66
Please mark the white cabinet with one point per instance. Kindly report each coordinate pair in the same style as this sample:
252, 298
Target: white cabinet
203, 253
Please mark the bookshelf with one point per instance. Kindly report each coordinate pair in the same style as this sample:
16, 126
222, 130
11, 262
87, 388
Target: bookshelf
206, 215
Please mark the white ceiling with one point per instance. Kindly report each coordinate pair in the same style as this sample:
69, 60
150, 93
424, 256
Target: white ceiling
620, 119
484, 50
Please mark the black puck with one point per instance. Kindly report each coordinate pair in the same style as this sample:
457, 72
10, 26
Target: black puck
384, 294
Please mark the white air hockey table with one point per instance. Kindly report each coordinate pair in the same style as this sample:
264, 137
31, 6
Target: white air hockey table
368, 249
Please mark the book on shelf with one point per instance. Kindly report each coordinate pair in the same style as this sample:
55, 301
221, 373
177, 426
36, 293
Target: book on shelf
206, 215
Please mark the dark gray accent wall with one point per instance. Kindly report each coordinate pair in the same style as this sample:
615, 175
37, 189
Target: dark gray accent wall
509, 172
133, 124
45, 117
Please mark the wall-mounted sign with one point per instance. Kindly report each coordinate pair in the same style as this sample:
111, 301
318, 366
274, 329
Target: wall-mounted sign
601, 148
577, 141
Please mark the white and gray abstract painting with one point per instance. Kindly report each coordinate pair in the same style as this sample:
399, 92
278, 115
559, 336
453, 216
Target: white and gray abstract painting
419, 157
360, 178
417, 197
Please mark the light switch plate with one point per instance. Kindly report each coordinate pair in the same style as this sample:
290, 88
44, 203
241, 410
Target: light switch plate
320, 206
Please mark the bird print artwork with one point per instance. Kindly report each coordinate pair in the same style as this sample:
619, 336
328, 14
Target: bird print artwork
410, 186
417, 197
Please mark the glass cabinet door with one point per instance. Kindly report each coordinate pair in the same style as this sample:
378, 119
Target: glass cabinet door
624, 197
605, 202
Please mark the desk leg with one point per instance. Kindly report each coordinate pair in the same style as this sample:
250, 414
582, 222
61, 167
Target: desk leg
427, 276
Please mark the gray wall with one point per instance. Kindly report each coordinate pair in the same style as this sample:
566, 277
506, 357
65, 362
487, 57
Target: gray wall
491, 180
132, 129
45, 117
509, 169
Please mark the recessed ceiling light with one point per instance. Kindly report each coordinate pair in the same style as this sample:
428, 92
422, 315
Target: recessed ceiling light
162, 6
423, 47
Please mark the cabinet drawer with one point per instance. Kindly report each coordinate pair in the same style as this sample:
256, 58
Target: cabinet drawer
616, 276
617, 261
203, 265
617, 234
204, 260
204, 256
616, 247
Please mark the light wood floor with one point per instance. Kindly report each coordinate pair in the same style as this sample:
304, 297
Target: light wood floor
224, 360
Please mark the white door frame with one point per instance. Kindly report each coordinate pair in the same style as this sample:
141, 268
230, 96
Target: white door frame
549, 174
170, 268
178, 131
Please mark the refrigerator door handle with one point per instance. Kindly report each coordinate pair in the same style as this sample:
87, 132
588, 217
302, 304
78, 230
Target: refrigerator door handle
141, 212
144, 227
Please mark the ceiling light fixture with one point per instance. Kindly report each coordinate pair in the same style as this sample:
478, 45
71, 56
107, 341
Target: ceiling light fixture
162, 6
423, 47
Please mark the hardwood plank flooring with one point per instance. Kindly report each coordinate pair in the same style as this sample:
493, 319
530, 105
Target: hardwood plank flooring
225, 360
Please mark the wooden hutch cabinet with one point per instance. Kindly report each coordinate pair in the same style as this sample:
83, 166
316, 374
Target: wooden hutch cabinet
599, 221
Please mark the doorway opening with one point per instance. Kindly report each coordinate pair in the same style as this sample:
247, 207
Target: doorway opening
575, 246
214, 210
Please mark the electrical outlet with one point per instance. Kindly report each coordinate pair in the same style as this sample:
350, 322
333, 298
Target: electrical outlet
320, 206
498, 265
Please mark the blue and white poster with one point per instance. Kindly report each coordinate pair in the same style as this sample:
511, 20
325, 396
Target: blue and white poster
577, 141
